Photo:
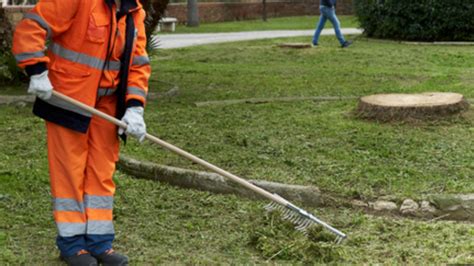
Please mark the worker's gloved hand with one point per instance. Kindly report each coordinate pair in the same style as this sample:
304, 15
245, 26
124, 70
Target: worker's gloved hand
41, 86
135, 124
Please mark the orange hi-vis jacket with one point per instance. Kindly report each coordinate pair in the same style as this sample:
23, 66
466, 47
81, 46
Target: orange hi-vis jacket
86, 54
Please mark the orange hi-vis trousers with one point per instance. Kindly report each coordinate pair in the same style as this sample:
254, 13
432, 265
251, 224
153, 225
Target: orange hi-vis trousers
81, 169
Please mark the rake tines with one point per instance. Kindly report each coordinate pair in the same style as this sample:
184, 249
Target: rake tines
303, 219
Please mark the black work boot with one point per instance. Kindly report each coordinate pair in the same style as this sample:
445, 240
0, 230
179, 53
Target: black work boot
112, 258
82, 258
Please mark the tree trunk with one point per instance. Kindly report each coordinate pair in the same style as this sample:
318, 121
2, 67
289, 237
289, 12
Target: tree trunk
193, 14
155, 10
423, 106
264, 12
6, 32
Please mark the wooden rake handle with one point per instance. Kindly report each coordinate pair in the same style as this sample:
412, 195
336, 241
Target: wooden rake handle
176, 150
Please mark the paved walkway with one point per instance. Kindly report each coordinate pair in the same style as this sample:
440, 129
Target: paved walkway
169, 41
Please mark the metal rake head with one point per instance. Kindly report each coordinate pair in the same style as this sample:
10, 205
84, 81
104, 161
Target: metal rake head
303, 219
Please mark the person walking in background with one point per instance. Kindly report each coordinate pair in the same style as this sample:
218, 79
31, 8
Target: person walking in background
328, 12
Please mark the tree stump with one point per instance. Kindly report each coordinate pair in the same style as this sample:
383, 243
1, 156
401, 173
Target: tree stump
388, 107
294, 45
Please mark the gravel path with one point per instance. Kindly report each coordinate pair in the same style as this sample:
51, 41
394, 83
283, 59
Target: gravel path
169, 41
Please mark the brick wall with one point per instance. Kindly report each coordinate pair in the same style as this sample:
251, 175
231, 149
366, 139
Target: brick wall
215, 12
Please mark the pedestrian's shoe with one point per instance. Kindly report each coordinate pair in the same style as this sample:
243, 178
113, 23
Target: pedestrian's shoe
82, 258
346, 44
314, 44
112, 258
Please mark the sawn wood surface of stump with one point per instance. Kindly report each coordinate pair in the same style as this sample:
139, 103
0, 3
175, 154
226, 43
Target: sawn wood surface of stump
386, 107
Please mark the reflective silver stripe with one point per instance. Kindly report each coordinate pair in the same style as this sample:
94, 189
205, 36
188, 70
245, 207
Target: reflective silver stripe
105, 91
71, 229
99, 227
113, 65
81, 58
136, 91
99, 202
140, 60
65, 105
40, 21
26, 56
63, 204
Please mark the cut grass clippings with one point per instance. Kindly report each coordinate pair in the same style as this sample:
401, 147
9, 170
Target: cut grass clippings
298, 142
158, 224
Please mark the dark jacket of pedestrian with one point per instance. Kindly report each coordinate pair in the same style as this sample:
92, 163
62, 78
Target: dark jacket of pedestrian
328, 3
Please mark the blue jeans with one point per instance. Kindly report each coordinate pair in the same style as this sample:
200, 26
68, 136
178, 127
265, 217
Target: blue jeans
328, 13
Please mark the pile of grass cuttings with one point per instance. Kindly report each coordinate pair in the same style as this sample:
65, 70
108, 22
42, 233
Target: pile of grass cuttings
277, 239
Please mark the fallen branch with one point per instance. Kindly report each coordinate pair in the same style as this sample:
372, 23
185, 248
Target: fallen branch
13, 99
294, 45
439, 218
269, 100
205, 181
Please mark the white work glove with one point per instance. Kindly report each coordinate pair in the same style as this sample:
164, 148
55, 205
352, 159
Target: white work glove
135, 124
41, 86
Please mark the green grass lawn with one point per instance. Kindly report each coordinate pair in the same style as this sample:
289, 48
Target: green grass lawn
316, 143
283, 23
310, 143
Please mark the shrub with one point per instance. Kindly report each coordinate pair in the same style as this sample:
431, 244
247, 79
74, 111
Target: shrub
422, 20
9, 72
155, 10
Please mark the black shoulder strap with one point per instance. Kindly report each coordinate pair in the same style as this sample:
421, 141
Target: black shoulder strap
124, 68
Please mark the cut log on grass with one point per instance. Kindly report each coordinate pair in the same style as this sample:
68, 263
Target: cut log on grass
205, 181
423, 106
15, 99
294, 45
458, 207
449, 207
270, 100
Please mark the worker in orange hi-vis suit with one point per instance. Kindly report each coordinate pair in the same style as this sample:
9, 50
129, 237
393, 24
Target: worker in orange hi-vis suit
96, 55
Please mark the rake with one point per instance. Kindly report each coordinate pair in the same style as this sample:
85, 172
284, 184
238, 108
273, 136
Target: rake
301, 218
